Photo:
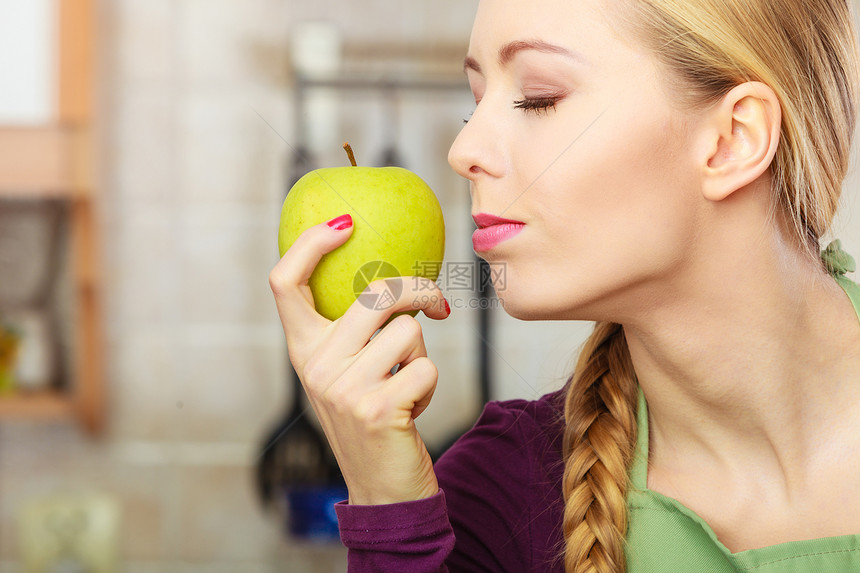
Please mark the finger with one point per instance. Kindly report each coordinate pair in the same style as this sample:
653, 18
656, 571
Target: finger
413, 386
289, 278
383, 298
400, 342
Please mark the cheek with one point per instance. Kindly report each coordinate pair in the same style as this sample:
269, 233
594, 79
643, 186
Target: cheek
614, 204
627, 169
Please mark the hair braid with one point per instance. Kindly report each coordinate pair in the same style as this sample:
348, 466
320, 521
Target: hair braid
599, 440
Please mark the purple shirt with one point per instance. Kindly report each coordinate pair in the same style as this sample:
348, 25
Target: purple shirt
499, 507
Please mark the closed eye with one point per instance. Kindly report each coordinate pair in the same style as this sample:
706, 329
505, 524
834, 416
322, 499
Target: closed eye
537, 105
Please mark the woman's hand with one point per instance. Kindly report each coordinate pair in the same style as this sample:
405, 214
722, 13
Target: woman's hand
367, 413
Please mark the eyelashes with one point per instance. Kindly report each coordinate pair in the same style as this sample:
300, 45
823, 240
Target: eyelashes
538, 106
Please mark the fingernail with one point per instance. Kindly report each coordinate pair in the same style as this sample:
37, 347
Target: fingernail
447, 306
341, 223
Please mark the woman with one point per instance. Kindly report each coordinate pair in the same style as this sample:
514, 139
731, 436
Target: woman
670, 166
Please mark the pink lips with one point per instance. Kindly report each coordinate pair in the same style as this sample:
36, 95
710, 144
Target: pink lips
493, 230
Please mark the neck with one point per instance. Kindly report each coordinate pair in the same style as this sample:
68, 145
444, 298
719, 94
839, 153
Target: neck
747, 369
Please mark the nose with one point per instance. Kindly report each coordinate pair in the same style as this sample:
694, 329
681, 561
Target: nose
477, 149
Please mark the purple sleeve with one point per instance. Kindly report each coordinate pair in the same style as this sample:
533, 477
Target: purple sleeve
414, 536
479, 521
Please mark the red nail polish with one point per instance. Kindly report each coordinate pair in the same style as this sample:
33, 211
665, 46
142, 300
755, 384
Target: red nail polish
447, 306
341, 223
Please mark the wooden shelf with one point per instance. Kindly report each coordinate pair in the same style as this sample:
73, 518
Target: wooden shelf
59, 161
35, 161
39, 405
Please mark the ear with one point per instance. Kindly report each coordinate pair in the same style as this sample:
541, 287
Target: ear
740, 137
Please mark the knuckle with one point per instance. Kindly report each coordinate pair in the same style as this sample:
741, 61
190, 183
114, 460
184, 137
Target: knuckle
425, 368
276, 281
281, 281
315, 371
410, 327
299, 351
370, 411
336, 398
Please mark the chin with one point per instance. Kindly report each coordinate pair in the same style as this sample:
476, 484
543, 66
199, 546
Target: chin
524, 307
581, 304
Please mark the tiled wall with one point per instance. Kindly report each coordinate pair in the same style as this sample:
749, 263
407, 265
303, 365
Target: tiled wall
193, 182
195, 101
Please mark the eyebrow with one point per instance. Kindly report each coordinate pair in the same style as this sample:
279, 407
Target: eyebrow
509, 50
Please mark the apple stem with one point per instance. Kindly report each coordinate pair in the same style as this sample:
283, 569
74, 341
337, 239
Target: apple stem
350, 154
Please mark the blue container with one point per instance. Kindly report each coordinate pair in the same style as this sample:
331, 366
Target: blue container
311, 514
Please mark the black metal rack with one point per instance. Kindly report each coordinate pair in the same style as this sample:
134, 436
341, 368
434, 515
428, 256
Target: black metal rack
301, 162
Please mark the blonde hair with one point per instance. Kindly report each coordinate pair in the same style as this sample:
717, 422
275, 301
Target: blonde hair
806, 51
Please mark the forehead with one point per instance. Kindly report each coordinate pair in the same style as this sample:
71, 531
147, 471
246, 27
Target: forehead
584, 26
549, 19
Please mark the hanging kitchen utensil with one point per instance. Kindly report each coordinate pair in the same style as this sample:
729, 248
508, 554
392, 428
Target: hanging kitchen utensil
391, 156
295, 453
300, 162
484, 358
297, 475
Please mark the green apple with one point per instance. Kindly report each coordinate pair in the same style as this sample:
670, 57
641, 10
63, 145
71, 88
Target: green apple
398, 231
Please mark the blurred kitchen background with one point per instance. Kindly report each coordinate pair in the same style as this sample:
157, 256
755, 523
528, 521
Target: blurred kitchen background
146, 147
